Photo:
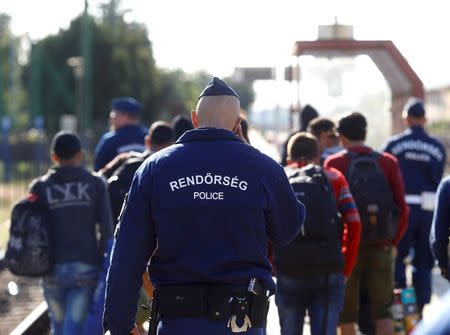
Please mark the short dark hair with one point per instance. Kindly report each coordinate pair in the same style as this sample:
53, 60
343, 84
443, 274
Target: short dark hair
307, 114
353, 126
180, 125
65, 144
303, 146
319, 125
161, 133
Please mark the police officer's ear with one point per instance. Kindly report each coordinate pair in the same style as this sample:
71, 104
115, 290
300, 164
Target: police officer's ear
194, 119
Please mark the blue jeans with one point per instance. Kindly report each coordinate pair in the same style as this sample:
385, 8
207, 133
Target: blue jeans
321, 296
416, 239
68, 292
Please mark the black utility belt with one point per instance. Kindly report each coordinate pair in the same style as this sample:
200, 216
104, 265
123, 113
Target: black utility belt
216, 302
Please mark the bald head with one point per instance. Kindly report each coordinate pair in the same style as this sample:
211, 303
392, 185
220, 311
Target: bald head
220, 111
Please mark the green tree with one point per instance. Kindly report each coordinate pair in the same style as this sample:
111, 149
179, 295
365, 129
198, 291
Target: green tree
12, 94
122, 65
245, 92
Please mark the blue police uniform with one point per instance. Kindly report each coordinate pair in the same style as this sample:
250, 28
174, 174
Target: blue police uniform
211, 202
124, 139
422, 159
202, 210
440, 230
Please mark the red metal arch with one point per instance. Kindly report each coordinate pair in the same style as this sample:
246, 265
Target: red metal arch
401, 78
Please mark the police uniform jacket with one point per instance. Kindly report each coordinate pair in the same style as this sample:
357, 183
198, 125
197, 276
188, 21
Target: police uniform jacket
202, 210
440, 230
421, 158
124, 139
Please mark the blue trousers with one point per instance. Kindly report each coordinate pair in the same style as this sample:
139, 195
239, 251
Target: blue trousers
193, 326
321, 296
415, 242
68, 292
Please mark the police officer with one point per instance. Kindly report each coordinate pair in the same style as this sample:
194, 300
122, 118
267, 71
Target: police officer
422, 160
202, 211
126, 133
440, 229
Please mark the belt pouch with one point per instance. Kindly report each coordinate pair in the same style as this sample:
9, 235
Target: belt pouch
259, 307
182, 301
218, 305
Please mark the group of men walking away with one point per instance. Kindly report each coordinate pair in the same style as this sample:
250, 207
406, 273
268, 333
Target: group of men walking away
199, 210
388, 238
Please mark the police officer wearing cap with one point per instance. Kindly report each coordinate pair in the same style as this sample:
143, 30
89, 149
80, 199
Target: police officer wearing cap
126, 133
200, 213
422, 160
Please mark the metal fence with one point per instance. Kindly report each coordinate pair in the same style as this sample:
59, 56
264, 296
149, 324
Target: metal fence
24, 156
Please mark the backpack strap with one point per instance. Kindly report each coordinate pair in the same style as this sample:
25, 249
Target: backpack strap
356, 157
311, 170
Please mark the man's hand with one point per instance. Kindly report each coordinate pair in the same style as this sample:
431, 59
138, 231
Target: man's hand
444, 273
135, 331
240, 134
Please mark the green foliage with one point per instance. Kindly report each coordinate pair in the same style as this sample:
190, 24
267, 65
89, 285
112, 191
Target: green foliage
441, 126
122, 65
12, 95
245, 92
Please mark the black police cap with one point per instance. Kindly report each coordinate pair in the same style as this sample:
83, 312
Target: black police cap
126, 105
218, 87
65, 144
415, 107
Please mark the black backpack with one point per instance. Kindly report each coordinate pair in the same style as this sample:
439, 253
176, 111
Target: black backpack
29, 247
373, 197
312, 188
119, 183
317, 248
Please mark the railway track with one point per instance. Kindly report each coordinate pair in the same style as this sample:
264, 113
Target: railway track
22, 307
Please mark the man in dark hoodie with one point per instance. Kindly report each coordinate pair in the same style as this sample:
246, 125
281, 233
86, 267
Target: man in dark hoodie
77, 201
307, 114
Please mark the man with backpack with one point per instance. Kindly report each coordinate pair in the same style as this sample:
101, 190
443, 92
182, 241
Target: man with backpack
324, 130
77, 201
120, 171
377, 187
311, 269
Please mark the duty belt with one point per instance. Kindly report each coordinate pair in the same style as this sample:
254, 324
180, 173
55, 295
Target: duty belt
425, 200
413, 199
236, 306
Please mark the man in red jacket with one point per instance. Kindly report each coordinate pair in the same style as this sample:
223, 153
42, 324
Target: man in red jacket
377, 186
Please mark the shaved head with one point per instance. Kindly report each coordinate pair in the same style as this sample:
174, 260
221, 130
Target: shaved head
220, 111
